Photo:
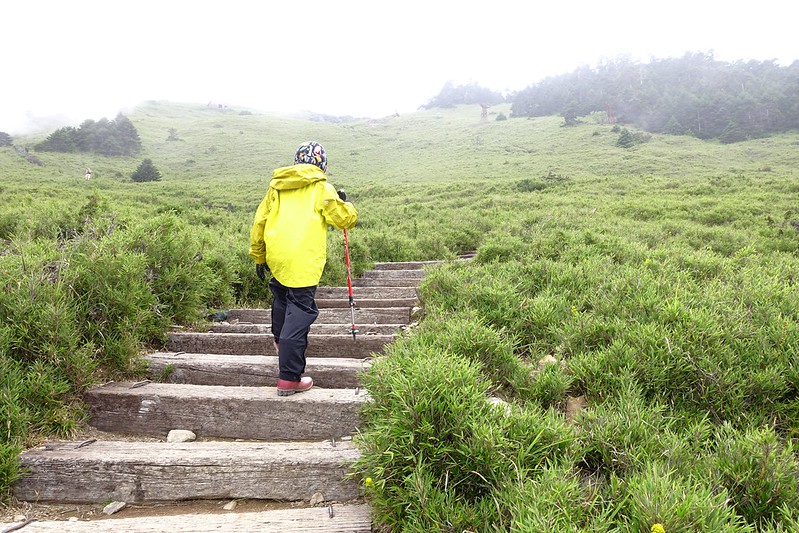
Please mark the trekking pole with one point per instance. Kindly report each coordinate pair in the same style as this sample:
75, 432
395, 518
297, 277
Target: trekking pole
349, 283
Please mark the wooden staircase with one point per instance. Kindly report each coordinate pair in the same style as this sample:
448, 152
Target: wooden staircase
251, 444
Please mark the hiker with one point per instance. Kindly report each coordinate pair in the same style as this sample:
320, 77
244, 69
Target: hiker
289, 239
88, 174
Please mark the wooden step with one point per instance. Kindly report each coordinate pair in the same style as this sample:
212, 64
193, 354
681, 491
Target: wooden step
385, 282
139, 472
263, 344
367, 305
249, 370
334, 518
224, 412
321, 329
366, 293
340, 315
406, 265
397, 274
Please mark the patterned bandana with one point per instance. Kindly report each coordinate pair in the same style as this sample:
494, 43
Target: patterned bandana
312, 153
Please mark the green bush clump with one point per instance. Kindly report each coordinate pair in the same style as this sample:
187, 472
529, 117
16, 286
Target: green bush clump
760, 472
434, 439
85, 308
656, 495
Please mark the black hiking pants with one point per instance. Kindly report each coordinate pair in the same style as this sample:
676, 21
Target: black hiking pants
293, 312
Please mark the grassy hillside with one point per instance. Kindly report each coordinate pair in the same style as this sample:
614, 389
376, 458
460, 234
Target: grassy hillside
636, 308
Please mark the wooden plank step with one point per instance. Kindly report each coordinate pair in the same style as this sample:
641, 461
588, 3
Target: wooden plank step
340, 315
366, 293
323, 329
385, 282
398, 274
405, 265
367, 304
249, 370
263, 344
335, 518
139, 472
224, 412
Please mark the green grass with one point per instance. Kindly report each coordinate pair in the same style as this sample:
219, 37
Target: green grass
658, 282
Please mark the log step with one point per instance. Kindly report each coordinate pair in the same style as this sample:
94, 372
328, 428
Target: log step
398, 274
366, 293
250, 370
385, 282
406, 265
141, 472
224, 412
263, 344
336, 518
321, 329
366, 304
340, 315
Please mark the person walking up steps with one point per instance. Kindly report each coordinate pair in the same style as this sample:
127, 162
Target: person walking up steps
289, 238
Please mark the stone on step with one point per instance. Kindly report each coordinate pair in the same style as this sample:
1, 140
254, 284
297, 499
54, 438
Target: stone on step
249, 370
321, 345
141, 472
224, 412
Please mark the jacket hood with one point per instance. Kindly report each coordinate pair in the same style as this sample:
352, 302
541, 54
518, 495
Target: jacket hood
296, 177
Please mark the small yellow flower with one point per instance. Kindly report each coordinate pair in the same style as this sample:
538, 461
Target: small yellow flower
368, 482
658, 528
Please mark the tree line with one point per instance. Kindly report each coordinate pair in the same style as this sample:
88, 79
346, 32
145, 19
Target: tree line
692, 95
106, 137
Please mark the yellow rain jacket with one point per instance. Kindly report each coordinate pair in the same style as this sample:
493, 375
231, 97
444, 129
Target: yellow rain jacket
289, 232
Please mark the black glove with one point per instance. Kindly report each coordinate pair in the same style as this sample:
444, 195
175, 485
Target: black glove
342, 195
260, 271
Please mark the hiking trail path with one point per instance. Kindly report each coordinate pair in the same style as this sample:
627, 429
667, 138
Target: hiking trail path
280, 463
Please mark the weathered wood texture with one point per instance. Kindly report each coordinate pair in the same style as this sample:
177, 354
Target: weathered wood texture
365, 304
340, 315
136, 472
385, 282
250, 370
227, 412
415, 275
406, 265
263, 344
316, 329
367, 293
336, 518
344, 519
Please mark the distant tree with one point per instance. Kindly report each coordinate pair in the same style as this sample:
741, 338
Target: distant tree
5, 139
107, 137
61, 140
502, 116
673, 127
626, 139
452, 95
127, 134
732, 134
146, 171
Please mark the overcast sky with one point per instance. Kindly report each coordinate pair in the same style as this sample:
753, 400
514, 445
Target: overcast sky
90, 59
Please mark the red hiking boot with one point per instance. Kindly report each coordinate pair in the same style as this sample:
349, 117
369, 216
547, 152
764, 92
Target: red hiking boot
287, 388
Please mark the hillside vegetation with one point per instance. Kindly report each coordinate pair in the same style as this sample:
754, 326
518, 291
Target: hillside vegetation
633, 312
